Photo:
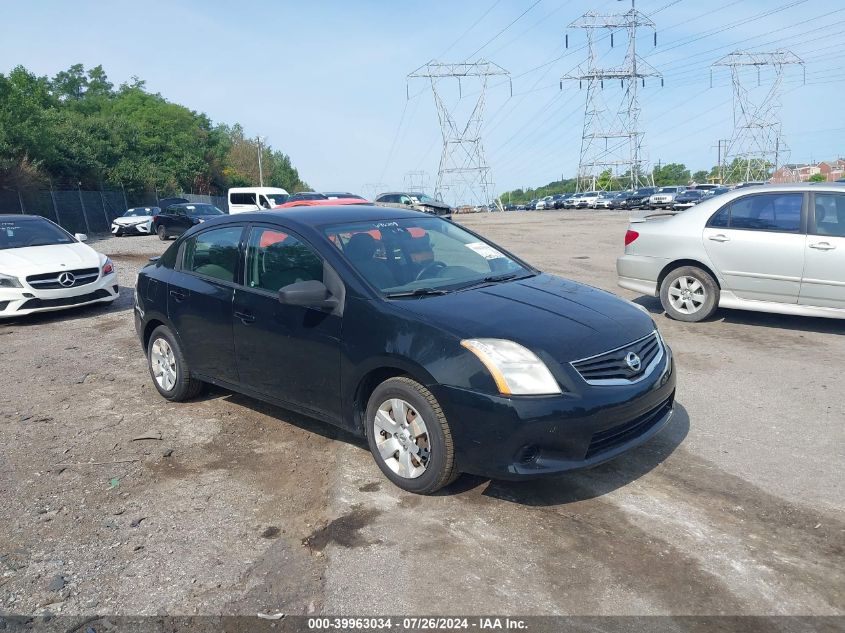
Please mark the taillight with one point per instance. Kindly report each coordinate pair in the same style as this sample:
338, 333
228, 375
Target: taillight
155, 218
630, 236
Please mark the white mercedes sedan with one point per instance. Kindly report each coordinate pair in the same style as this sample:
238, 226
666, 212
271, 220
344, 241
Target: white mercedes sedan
44, 268
775, 248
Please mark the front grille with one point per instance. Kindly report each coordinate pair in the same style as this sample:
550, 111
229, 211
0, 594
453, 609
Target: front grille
618, 435
4, 305
613, 368
33, 304
50, 281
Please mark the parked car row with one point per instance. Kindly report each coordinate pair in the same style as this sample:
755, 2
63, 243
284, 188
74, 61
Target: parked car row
642, 198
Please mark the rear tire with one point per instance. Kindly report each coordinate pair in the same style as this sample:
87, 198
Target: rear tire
168, 368
409, 436
162, 233
689, 294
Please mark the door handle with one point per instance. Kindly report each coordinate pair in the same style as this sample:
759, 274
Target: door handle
245, 317
823, 246
178, 295
719, 238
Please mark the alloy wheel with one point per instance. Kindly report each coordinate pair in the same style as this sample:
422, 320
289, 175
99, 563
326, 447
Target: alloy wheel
687, 294
163, 363
402, 438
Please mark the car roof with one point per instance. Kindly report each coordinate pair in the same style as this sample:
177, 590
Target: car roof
318, 216
18, 216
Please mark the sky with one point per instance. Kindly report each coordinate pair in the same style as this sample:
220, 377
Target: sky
326, 81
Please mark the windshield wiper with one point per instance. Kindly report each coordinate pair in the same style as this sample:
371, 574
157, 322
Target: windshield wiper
493, 279
419, 292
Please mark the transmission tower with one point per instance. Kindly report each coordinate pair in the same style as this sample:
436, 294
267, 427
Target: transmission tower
372, 189
611, 139
756, 148
417, 181
463, 174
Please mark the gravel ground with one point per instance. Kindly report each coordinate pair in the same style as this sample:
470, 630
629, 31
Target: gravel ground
115, 501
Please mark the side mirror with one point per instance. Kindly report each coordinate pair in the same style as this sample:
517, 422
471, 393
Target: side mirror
81, 237
408, 202
309, 294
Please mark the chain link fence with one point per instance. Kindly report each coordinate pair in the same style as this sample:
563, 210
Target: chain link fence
91, 212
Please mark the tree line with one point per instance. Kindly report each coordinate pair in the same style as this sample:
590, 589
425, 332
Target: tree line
78, 129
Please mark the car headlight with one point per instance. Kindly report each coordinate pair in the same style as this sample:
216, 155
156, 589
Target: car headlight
8, 281
108, 267
516, 370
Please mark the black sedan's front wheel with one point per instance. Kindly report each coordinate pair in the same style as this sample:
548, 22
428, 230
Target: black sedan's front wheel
168, 367
409, 436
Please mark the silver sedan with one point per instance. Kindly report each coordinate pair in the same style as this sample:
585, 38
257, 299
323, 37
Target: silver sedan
778, 248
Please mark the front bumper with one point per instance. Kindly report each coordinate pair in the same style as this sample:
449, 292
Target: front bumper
16, 302
527, 437
143, 228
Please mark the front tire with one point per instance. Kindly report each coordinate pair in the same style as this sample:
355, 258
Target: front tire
162, 233
689, 294
409, 436
168, 368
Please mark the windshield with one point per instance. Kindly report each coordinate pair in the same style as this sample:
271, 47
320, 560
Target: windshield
23, 232
667, 190
140, 212
421, 254
278, 198
203, 209
421, 198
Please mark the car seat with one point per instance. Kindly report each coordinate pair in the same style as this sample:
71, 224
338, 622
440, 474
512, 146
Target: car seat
360, 250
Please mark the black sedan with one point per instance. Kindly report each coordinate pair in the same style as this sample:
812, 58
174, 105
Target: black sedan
178, 218
446, 352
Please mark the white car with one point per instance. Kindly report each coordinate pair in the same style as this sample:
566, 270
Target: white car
776, 248
546, 203
45, 268
137, 221
583, 200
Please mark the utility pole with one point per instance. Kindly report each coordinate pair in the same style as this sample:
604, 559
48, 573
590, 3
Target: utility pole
605, 126
756, 145
260, 169
463, 171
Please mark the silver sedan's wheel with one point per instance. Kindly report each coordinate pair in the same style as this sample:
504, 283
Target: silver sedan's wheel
687, 295
163, 364
402, 439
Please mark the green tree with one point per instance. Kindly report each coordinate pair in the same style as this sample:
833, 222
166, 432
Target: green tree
701, 176
671, 174
818, 178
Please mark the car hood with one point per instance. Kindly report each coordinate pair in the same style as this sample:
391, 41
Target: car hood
565, 319
35, 259
135, 219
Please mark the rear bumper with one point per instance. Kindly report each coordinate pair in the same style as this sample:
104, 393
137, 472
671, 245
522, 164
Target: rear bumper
640, 273
529, 437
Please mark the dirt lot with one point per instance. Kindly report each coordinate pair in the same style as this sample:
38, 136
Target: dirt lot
236, 507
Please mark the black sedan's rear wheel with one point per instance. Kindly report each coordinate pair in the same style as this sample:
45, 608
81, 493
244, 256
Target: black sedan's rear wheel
162, 233
409, 436
168, 367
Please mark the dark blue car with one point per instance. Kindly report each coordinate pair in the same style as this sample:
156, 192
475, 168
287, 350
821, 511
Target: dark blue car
445, 351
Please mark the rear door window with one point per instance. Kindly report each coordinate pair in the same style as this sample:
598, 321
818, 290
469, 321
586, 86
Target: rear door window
829, 214
242, 198
213, 253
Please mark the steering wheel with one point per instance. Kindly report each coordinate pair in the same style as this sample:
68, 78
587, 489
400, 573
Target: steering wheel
435, 265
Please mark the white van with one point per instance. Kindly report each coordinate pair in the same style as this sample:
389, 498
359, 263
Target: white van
243, 199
